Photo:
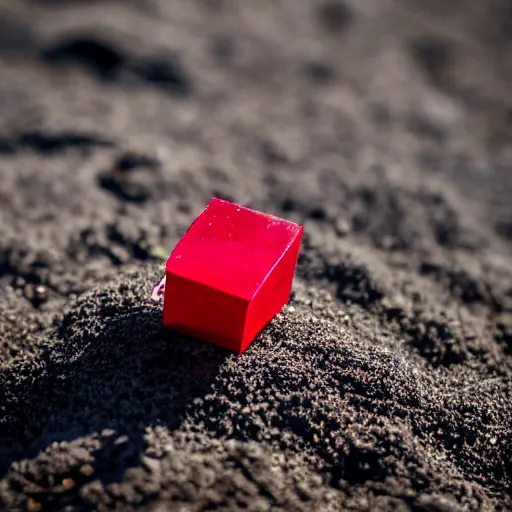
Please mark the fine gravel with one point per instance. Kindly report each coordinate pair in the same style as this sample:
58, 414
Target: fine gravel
384, 127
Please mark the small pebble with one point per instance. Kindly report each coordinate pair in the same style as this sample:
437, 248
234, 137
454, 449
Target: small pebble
20, 282
87, 470
121, 440
33, 505
33, 328
35, 294
68, 483
342, 227
41, 293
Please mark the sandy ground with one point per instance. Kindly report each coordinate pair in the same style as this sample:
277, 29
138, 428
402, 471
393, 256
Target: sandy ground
385, 127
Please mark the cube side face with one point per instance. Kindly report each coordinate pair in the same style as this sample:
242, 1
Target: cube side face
204, 313
273, 294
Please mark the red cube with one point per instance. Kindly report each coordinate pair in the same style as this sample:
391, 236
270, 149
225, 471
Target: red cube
230, 274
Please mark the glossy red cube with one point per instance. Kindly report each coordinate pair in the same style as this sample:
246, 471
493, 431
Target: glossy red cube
230, 274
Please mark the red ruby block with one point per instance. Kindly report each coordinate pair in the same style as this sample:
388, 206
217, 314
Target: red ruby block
230, 274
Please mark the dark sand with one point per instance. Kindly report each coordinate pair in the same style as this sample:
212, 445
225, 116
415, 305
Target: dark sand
384, 126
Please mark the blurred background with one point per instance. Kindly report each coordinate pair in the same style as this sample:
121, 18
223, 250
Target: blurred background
386, 120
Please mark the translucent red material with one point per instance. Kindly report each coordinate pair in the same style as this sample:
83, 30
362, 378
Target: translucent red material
230, 274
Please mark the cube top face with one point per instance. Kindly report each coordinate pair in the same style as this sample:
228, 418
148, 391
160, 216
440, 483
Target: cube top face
232, 248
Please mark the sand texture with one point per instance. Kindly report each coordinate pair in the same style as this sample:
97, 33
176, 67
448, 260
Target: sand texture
384, 127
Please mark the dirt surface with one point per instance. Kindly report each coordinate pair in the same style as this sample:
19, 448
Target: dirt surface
385, 127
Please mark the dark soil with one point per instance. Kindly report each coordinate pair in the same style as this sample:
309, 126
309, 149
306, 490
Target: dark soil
385, 127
